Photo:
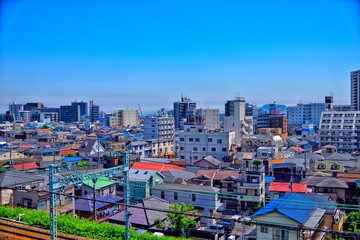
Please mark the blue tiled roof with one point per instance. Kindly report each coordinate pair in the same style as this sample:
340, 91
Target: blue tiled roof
294, 206
73, 159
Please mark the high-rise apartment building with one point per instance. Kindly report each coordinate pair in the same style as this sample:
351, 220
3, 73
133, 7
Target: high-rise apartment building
182, 110
305, 113
14, 109
83, 107
128, 118
32, 105
209, 117
69, 113
340, 129
236, 119
159, 127
94, 113
355, 90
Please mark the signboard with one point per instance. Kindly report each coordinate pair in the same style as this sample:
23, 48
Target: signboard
308, 128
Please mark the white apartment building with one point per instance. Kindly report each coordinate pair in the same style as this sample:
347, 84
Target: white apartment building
305, 113
210, 118
340, 129
355, 90
161, 127
196, 142
128, 118
236, 120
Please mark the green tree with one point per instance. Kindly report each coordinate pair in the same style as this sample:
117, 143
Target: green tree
257, 163
179, 220
45, 126
84, 164
159, 224
351, 222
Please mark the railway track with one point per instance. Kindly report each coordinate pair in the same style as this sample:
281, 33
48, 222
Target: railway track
14, 230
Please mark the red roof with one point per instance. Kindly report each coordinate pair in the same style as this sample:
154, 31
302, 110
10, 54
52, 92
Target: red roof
284, 187
26, 166
297, 149
66, 152
160, 167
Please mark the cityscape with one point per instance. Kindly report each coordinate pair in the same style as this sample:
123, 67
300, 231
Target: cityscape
179, 120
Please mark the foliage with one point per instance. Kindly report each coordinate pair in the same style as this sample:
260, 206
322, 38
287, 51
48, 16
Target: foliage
45, 126
181, 222
159, 224
76, 226
72, 154
257, 163
352, 222
84, 164
256, 208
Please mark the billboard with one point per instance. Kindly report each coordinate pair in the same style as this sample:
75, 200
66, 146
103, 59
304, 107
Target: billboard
308, 128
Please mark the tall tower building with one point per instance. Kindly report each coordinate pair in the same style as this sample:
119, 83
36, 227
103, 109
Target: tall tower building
182, 110
15, 108
355, 90
83, 107
236, 119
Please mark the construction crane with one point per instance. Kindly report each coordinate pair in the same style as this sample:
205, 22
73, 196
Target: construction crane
77, 179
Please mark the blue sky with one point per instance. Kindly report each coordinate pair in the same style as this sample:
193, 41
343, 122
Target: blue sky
125, 53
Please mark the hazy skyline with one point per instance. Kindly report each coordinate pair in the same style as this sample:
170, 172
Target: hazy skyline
122, 53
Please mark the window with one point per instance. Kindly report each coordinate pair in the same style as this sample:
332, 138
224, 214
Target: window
191, 139
182, 139
182, 148
209, 139
204, 149
219, 141
197, 139
223, 149
280, 234
182, 157
264, 229
42, 205
195, 148
162, 195
175, 196
213, 149
27, 203
112, 188
193, 197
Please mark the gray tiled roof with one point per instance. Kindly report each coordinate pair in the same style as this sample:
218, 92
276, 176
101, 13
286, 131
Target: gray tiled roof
186, 187
12, 178
141, 175
87, 146
321, 181
211, 160
173, 174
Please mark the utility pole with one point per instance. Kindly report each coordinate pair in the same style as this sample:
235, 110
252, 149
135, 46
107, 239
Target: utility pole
94, 198
126, 195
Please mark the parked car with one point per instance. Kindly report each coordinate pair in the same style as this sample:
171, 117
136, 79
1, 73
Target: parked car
217, 228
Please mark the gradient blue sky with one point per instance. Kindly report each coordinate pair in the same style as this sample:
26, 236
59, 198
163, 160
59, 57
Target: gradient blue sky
125, 53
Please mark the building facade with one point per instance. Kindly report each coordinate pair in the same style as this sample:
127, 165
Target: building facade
69, 113
182, 110
236, 120
128, 118
305, 114
210, 118
83, 107
159, 127
14, 109
340, 129
196, 142
355, 90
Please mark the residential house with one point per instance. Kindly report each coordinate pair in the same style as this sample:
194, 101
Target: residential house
177, 176
284, 218
208, 162
142, 181
139, 147
204, 198
104, 186
279, 189
144, 213
91, 149
326, 185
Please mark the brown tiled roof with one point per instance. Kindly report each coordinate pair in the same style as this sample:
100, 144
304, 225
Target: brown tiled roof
225, 174
348, 177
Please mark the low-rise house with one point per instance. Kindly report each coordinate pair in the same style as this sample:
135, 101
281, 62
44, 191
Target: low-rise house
139, 147
91, 149
84, 208
326, 185
279, 189
144, 214
104, 186
14, 179
160, 167
285, 218
177, 176
208, 162
204, 198
285, 172
142, 182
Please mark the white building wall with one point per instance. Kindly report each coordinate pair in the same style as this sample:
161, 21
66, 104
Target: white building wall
195, 143
211, 118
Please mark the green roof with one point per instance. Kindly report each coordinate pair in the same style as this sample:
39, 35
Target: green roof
101, 182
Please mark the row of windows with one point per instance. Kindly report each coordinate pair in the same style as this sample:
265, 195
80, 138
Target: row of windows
198, 140
213, 149
193, 196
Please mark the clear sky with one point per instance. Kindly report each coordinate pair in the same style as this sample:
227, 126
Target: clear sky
125, 53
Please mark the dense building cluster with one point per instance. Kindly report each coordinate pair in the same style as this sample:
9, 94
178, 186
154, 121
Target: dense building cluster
291, 169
